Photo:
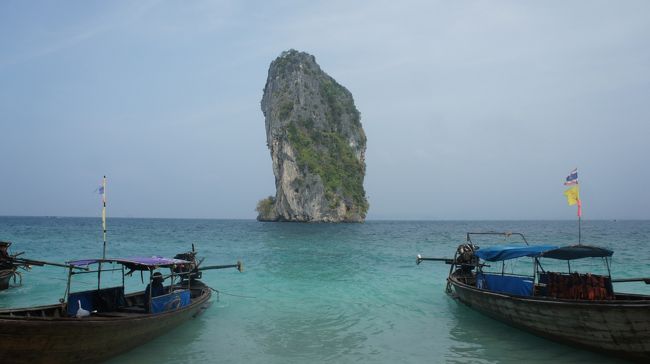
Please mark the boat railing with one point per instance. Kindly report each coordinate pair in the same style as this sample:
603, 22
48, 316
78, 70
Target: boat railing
42, 311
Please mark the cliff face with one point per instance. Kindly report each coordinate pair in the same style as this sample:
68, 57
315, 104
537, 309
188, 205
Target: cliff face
317, 145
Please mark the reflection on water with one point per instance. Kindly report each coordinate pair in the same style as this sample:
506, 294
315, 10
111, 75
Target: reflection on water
481, 339
324, 334
181, 342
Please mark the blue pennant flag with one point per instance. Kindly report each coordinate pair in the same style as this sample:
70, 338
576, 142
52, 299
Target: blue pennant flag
572, 178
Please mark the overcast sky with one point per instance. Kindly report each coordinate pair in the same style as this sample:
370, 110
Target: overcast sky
472, 109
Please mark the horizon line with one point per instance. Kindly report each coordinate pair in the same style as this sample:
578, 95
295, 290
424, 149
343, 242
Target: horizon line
253, 219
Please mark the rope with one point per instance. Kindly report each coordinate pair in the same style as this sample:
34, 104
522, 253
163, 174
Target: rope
228, 294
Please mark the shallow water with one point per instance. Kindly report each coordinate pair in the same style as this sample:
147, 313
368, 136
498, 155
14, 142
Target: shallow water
319, 292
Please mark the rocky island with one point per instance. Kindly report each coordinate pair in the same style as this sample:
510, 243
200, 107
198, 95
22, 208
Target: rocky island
317, 145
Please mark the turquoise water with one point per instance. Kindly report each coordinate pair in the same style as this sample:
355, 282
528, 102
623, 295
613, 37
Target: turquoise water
320, 293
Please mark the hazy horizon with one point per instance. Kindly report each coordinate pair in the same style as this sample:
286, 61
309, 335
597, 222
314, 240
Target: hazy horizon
472, 110
108, 218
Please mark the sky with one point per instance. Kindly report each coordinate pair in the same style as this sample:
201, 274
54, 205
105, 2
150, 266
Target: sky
472, 109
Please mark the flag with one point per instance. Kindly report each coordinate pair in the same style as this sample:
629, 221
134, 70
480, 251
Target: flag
572, 178
573, 196
102, 191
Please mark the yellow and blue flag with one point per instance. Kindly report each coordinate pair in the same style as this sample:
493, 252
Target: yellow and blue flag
572, 195
572, 178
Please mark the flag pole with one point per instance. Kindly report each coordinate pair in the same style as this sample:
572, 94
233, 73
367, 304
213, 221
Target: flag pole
579, 231
579, 222
104, 215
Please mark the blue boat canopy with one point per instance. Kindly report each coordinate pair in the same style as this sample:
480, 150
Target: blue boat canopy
504, 252
577, 252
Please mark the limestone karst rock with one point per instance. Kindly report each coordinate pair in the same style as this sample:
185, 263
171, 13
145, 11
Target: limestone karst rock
317, 145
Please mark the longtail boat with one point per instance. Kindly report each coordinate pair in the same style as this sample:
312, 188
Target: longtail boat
97, 324
5, 276
10, 263
578, 309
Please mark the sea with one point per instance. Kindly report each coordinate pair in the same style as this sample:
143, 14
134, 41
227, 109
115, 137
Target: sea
320, 293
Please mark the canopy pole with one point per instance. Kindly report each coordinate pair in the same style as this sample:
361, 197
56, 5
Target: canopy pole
171, 281
99, 276
67, 286
150, 289
579, 230
534, 273
104, 215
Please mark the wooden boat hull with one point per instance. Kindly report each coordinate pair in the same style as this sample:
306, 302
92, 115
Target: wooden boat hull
5, 277
616, 327
89, 339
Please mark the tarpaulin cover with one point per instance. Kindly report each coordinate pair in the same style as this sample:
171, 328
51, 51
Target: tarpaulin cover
516, 285
505, 252
172, 301
154, 261
577, 252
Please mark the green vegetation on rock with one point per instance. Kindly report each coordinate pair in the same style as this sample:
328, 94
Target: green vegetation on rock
266, 207
285, 110
338, 104
328, 155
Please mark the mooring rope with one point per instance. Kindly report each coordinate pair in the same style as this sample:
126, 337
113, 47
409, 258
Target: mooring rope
228, 294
